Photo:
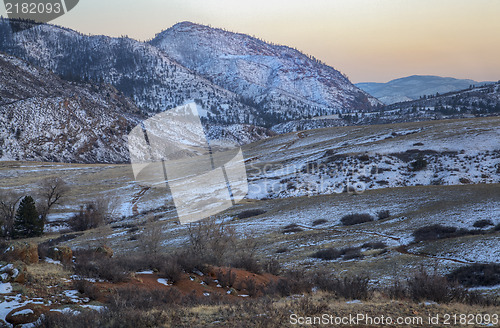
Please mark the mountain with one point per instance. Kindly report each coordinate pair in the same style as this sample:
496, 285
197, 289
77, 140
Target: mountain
157, 81
480, 100
278, 79
413, 87
45, 118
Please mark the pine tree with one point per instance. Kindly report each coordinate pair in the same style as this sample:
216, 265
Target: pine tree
27, 222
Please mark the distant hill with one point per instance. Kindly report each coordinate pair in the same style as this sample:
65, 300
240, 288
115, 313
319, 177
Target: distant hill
413, 87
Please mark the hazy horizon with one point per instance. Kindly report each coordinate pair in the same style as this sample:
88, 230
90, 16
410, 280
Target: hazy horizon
369, 40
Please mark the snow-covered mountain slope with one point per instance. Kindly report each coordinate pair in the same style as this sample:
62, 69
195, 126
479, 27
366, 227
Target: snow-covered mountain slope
296, 86
144, 73
327, 161
413, 87
279, 79
45, 118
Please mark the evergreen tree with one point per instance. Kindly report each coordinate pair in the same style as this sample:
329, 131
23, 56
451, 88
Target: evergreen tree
27, 222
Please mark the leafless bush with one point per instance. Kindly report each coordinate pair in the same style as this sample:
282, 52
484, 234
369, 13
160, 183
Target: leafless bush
437, 231
245, 255
250, 286
319, 221
347, 253
374, 245
87, 288
90, 264
91, 216
356, 218
151, 237
476, 275
246, 262
226, 277
170, 268
9, 201
210, 240
430, 286
383, 214
272, 266
291, 228
482, 223
250, 213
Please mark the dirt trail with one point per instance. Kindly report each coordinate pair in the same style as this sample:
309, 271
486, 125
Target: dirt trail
137, 198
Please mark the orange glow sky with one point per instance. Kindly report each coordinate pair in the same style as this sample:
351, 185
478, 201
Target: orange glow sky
369, 40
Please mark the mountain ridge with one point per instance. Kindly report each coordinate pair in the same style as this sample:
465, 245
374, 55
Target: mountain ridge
415, 86
260, 70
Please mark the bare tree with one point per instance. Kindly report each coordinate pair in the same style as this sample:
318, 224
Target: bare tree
8, 206
52, 192
152, 237
211, 240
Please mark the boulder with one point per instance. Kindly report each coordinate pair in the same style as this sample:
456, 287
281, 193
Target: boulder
64, 254
13, 272
23, 251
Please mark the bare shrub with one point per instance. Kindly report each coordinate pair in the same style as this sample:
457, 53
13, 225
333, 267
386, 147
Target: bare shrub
383, 214
476, 275
319, 221
250, 286
87, 288
245, 255
356, 218
347, 253
151, 237
482, 223
9, 201
291, 228
374, 245
353, 287
328, 254
437, 231
170, 268
281, 250
91, 264
430, 286
247, 262
91, 216
272, 266
210, 240
250, 213
226, 277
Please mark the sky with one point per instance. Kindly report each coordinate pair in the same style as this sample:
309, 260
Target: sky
369, 40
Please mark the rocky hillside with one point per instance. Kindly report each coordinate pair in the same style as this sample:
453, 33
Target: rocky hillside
45, 118
157, 80
280, 80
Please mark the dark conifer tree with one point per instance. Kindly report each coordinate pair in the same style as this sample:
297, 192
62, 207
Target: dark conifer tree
27, 222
